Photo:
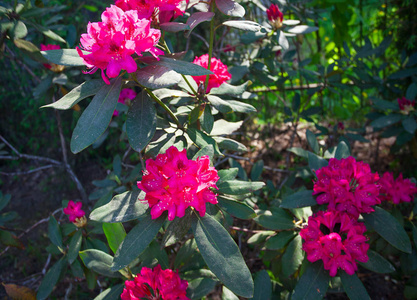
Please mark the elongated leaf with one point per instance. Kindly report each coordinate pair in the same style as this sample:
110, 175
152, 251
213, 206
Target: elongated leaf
54, 231
228, 294
64, 57
220, 104
115, 234
141, 122
230, 144
312, 141
243, 25
202, 140
112, 293
74, 246
200, 287
260, 237
238, 106
157, 76
299, 199
122, 208
377, 263
299, 151
32, 51
293, 257
342, 150
222, 255
275, 219
280, 240
183, 67
263, 286
98, 261
237, 187
313, 284
136, 241
207, 119
230, 8
228, 174
389, 228
228, 89
174, 26
353, 286
207, 150
197, 18
410, 125
50, 280
302, 29
403, 73
96, 117
176, 230
84, 90
386, 121
316, 162
237, 209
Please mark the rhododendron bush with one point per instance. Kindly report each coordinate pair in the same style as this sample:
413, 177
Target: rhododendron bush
177, 217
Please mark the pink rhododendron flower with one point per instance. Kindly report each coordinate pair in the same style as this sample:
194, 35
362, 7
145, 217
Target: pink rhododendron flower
125, 94
113, 41
406, 105
159, 11
347, 185
74, 211
217, 67
275, 16
398, 190
155, 284
172, 182
337, 239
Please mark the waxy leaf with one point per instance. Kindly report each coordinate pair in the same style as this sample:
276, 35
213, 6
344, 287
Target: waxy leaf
74, 246
342, 151
122, 208
174, 26
282, 40
98, 261
237, 187
54, 232
275, 219
115, 234
228, 89
299, 199
200, 287
112, 293
353, 286
312, 141
136, 241
64, 57
84, 90
313, 284
293, 257
51, 279
157, 76
236, 208
202, 140
302, 29
207, 150
183, 67
263, 286
377, 263
280, 240
197, 18
141, 122
316, 162
243, 25
230, 8
96, 117
389, 228
386, 121
176, 230
222, 255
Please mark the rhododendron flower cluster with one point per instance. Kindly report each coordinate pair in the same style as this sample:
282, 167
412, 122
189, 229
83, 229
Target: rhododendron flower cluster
275, 16
217, 67
74, 211
398, 190
172, 182
113, 41
125, 95
337, 239
347, 185
155, 284
406, 105
160, 11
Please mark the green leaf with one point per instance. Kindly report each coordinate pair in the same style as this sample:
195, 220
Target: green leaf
207, 119
238, 187
259, 237
228, 89
293, 257
230, 8
98, 261
223, 127
54, 232
30, 49
403, 73
64, 57
384, 104
313, 284
50, 280
157, 76
174, 26
228, 174
183, 67
207, 150
200, 287
112, 293
257, 169
342, 150
302, 29
237, 209
389, 228
141, 122
410, 125
229, 144
353, 286
222, 255
115, 234
299, 151
411, 91
122, 208
84, 90
243, 25
176, 230
202, 140
238, 106
96, 117
17, 29
280, 240
299, 199
386, 121
228, 294
377, 263
5, 199
185, 253
263, 286
136, 241
312, 141
74, 246
197, 18
9, 239
282, 40
275, 219
316, 162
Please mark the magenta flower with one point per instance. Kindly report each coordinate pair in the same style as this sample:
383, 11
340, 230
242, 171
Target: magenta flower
172, 182
398, 190
74, 211
406, 105
125, 94
113, 41
159, 11
337, 239
217, 67
155, 284
347, 185
275, 16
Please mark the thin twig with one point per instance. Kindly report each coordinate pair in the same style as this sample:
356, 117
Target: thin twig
245, 230
27, 172
48, 260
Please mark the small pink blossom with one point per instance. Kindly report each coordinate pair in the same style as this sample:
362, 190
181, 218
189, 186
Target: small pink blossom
398, 190
347, 185
217, 67
155, 284
125, 94
336, 239
74, 211
275, 16
406, 105
172, 182
113, 41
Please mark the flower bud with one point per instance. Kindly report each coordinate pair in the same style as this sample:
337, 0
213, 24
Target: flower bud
275, 16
